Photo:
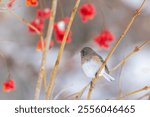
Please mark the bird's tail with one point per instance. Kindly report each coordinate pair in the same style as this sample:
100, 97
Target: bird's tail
107, 77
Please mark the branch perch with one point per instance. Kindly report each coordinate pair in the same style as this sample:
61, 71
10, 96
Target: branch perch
127, 57
114, 48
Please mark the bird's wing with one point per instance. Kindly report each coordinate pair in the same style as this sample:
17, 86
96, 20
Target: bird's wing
106, 68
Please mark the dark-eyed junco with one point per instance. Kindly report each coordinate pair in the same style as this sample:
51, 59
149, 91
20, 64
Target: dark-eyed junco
91, 63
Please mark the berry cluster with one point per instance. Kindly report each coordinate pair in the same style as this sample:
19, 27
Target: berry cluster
8, 85
104, 38
59, 30
32, 3
87, 12
38, 24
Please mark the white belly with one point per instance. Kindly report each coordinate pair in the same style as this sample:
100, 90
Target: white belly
90, 68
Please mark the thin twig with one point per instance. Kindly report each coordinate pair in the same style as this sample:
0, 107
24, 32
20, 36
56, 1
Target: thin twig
114, 48
120, 81
134, 92
81, 92
51, 83
24, 21
127, 57
144, 96
77, 95
44, 55
135, 50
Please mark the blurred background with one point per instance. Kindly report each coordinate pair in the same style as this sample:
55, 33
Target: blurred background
18, 48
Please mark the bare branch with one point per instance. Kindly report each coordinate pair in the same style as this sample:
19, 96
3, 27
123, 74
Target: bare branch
53, 75
44, 55
115, 47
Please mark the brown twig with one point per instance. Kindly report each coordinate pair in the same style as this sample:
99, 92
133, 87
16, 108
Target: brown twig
127, 57
44, 55
24, 21
51, 83
134, 92
135, 50
77, 95
144, 96
114, 48
80, 93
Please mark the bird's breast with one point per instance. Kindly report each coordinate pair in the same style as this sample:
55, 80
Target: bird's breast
90, 68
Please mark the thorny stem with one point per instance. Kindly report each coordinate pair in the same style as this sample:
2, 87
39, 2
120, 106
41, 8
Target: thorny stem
114, 48
44, 55
134, 92
53, 75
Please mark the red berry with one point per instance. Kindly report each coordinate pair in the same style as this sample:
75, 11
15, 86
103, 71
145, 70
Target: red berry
43, 14
59, 30
87, 12
32, 3
104, 38
38, 24
39, 45
8, 85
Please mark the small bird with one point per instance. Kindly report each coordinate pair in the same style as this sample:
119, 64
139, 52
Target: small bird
91, 63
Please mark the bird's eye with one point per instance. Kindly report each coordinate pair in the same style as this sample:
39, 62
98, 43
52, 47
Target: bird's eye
83, 52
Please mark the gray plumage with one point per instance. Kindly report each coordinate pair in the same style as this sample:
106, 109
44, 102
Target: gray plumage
91, 63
